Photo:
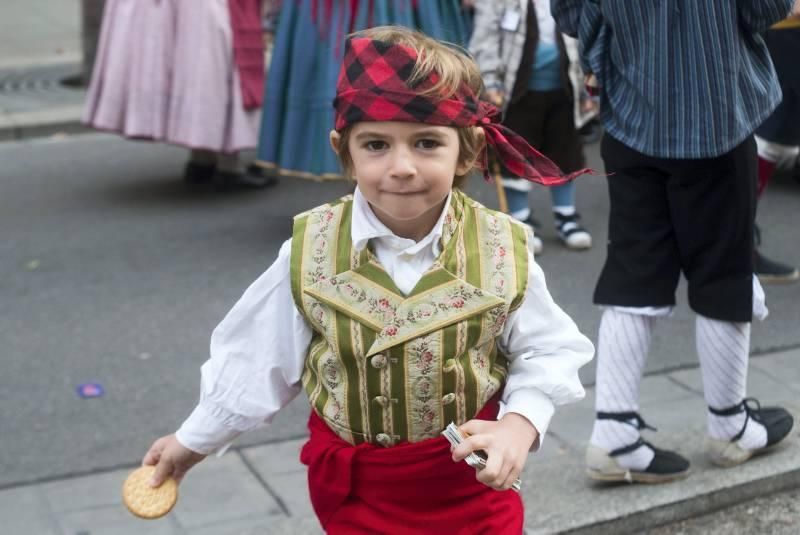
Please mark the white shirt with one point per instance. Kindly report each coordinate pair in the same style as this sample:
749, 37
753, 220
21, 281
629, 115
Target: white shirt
259, 349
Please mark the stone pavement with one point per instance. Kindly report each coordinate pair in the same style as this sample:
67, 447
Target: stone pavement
262, 489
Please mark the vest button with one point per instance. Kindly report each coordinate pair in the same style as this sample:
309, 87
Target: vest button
381, 400
449, 398
378, 361
383, 439
449, 365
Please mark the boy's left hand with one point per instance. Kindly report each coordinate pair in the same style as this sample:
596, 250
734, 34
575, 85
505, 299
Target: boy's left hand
506, 442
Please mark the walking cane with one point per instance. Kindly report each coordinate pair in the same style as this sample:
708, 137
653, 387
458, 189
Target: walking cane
497, 100
498, 182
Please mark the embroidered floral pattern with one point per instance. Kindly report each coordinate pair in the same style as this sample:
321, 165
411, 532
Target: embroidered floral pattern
447, 304
358, 297
321, 247
488, 384
423, 398
495, 249
332, 378
412, 327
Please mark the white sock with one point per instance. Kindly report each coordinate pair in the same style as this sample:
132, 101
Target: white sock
723, 348
564, 210
203, 157
624, 341
521, 215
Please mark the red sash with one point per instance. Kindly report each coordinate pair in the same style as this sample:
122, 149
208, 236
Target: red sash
408, 488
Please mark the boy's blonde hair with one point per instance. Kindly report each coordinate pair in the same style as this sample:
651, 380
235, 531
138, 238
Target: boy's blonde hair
451, 64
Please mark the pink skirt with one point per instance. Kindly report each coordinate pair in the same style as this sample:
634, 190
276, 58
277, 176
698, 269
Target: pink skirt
165, 71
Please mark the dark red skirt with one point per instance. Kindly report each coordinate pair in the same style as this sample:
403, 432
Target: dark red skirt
409, 488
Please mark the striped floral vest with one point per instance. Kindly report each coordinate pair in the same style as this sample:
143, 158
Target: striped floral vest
385, 367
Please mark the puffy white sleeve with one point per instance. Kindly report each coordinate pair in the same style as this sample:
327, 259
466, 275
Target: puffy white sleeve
545, 350
257, 357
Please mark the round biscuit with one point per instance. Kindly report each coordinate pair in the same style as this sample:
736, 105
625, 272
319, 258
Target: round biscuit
145, 501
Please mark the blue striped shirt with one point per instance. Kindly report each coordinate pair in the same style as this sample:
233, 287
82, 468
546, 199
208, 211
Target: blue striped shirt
679, 78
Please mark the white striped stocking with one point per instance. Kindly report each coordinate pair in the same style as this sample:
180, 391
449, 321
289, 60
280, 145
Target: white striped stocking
723, 348
624, 341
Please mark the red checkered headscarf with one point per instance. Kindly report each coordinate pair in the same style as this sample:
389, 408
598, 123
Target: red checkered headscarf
374, 85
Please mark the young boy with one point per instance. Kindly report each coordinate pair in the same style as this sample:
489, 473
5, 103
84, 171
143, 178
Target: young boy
398, 310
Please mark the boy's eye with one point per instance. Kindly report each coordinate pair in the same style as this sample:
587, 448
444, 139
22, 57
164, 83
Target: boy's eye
427, 144
375, 145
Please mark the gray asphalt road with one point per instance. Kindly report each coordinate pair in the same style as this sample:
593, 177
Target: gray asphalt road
113, 271
777, 514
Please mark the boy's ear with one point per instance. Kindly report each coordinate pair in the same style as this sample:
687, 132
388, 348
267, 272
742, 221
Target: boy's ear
334, 138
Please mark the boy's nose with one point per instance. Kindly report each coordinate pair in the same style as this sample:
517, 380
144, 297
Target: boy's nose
402, 165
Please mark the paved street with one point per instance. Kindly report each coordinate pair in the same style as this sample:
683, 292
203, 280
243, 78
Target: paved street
114, 272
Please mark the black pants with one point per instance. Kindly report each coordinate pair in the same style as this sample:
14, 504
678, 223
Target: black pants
670, 216
545, 119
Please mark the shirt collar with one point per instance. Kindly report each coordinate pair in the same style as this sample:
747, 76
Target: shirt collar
366, 226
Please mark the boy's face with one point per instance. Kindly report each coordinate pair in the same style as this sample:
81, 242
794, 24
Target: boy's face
405, 171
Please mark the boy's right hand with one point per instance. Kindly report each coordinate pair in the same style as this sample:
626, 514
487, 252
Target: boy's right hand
171, 459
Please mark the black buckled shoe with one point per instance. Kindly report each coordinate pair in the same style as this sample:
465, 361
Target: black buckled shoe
197, 173
776, 420
253, 178
601, 464
771, 271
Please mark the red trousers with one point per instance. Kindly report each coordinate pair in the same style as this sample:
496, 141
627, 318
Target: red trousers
411, 488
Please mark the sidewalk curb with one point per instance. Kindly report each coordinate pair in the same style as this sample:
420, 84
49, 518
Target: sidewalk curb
698, 505
45, 123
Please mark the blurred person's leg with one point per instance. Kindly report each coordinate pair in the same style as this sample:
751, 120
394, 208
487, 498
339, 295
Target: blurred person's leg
567, 218
206, 99
201, 166
619, 373
233, 171
526, 117
772, 156
778, 139
561, 143
637, 285
712, 201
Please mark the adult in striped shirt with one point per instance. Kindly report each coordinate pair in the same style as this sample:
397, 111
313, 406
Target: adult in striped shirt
682, 87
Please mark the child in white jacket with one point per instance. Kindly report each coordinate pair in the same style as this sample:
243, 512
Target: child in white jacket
524, 64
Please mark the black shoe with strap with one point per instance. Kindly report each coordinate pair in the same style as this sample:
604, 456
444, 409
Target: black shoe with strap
253, 178
771, 271
665, 466
198, 173
768, 270
776, 420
